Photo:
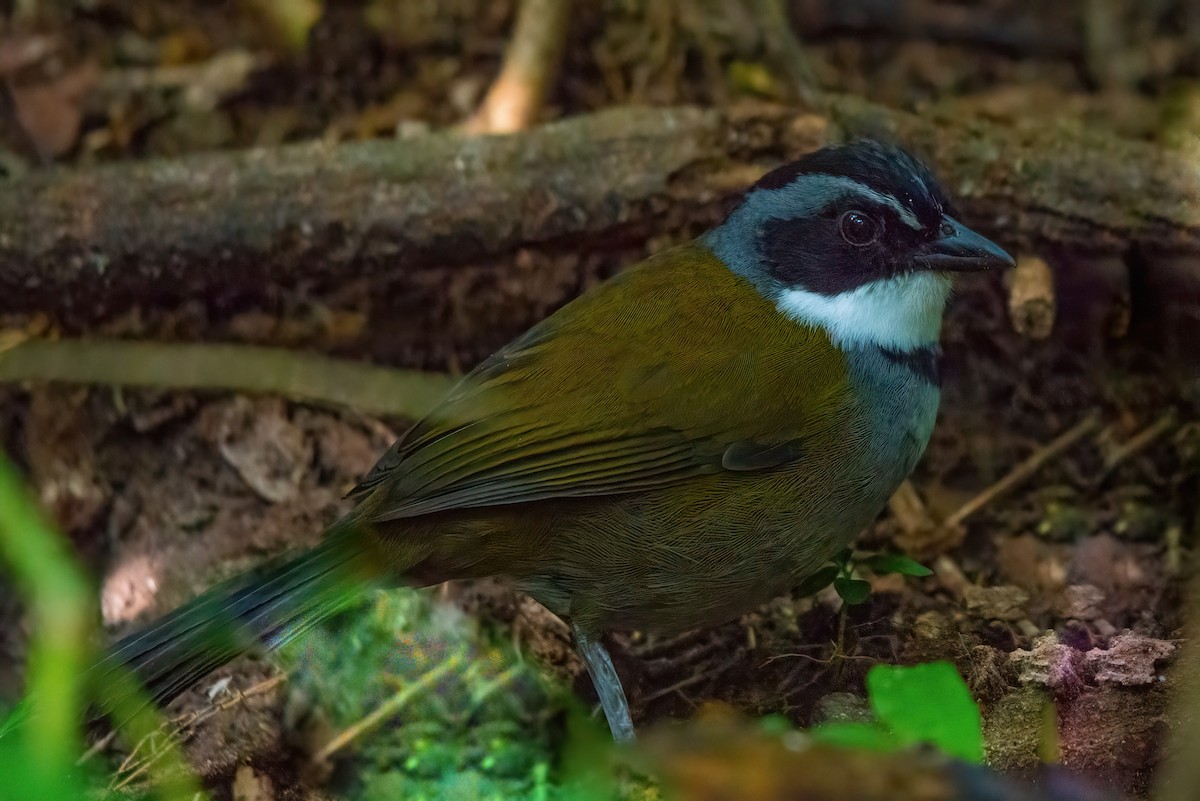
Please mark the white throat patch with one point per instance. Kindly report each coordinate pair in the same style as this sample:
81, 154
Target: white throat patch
899, 313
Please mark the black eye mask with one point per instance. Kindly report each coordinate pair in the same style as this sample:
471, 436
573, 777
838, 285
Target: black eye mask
820, 255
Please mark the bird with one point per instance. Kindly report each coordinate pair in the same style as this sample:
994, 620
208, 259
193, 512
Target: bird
672, 448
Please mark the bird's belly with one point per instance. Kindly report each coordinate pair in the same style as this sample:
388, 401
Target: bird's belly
670, 561
695, 553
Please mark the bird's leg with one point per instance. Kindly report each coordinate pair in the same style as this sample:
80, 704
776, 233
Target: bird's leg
608, 686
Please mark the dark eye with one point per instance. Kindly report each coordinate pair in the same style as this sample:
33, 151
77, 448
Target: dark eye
858, 229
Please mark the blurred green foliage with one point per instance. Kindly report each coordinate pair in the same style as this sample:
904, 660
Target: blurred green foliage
493, 728
843, 574
921, 704
40, 739
40, 742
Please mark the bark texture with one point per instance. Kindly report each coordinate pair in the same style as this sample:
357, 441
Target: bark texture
93, 242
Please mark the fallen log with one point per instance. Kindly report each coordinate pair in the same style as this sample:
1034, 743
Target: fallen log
94, 242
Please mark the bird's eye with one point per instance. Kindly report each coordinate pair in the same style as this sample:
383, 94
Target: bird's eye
858, 229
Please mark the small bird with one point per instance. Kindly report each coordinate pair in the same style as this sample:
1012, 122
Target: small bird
675, 447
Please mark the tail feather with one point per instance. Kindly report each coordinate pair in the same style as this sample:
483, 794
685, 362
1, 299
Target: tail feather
264, 608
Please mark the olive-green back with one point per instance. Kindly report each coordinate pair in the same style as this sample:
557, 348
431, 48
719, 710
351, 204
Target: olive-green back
674, 368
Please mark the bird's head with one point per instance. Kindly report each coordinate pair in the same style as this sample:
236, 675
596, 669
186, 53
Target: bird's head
856, 238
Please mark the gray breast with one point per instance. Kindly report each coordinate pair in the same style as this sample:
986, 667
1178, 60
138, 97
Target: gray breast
900, 393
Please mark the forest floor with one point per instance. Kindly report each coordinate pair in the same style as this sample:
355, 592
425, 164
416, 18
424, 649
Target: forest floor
1064, 592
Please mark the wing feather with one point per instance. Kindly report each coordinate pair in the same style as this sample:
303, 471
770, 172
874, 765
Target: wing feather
580, 406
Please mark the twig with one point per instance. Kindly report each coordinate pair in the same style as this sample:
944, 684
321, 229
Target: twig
920, 536
829, 660
242, 368
1109, 275
99, 746
131, 769
909, 510
491, 686
786, 51
656, 647
1174, 551
530, 68
693, 679
204, 84
950, 576
134, 765
1106, 42
387, 709
1026, 469
1140, 441
1031, 301
189, 722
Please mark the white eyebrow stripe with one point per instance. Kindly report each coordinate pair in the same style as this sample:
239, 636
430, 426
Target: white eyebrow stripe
905, 214
737, 240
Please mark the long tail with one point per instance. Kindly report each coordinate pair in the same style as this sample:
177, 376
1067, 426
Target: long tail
264, 608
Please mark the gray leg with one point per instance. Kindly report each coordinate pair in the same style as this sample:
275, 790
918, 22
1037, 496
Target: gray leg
608, 686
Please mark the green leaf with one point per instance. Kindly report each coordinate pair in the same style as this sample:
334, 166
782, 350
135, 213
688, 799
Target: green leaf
928, 703
883, 563
867, 736
817, 581
843, 558
853, 591
775, 724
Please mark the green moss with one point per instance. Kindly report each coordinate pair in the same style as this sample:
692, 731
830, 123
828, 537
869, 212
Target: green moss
493, 729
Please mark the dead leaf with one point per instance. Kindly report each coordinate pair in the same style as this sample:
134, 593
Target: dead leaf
267, 450
249, 785
60, 443
1081, 602
18, 52
51, 113
1005, 602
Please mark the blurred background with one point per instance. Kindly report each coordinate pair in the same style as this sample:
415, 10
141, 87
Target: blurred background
197, 198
